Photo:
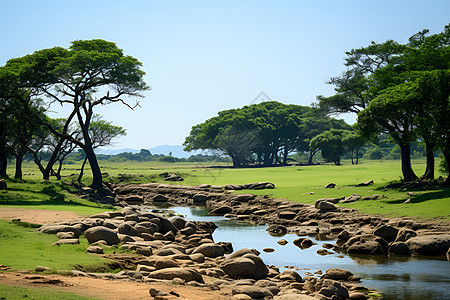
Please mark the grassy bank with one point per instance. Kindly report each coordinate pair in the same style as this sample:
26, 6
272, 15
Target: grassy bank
20, 293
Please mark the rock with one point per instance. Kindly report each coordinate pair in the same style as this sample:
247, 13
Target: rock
324, 205
54, 229
371, 197
405, 234
246, 266
127, 229
159, 198
95, 249
147, 251
290, 275
357, 296
333, 290
330, 186
337, 274
436, 244
353, 198
294, 296
42, 269
366, 244
66, 235
287, 215
186, 274
269, 250
221, 210
197, 257
146, 227
157, 293
200, 198
241, 297
387, 232
188, 231
3, 184
344, 235
178, 222
277, 230
365, 183
210, 250
303, 243
324, 252
98, 233
173, 177
165, 262
399, 248
282, 242
134, 199
255, 292
67, 241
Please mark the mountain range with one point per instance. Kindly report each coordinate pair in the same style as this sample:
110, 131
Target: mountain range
177, 151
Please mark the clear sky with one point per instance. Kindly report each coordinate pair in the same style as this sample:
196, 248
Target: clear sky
202, 57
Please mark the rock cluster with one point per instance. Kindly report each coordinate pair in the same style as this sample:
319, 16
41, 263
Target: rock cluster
181, 251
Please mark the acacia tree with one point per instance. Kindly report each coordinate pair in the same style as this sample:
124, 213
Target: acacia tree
87, 74
331, 144
394, 111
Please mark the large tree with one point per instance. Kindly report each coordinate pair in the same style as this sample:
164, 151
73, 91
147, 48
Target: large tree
87, 74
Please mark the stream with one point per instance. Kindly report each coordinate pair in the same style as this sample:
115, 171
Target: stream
397, 278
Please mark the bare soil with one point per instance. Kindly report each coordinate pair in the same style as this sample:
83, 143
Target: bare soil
106, 289
36, 216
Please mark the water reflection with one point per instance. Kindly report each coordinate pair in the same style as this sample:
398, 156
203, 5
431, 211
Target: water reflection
398, 277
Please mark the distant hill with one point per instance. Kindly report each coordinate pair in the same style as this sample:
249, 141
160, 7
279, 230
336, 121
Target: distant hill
177, 151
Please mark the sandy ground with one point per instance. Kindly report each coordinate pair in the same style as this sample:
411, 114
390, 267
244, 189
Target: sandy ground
106, 289
36, 216
85, 286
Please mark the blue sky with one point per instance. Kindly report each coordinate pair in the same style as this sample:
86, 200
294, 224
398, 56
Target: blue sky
202, 57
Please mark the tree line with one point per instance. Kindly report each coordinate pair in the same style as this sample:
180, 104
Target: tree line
400, 90
82, 77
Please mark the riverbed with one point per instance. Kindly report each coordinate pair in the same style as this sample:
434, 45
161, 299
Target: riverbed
409, 278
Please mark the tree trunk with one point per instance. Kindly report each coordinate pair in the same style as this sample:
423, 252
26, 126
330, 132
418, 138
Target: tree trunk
285, 156
82, 170
429, 171
407, 171
351, 155
357, 154
446, 153
97, 180
3, 164
18, 173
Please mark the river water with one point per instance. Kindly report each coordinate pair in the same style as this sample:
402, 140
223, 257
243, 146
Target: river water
400, 278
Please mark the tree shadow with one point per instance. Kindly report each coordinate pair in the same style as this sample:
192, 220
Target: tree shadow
431, 195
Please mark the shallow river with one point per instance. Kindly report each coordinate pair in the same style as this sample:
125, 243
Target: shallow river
401, 278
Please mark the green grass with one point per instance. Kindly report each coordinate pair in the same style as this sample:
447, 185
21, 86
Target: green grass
25, 248
17, 292
294, 183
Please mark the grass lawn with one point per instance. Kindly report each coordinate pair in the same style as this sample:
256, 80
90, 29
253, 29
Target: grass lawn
17, 292
25, 248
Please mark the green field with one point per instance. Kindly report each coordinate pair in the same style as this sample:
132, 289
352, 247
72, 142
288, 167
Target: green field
17, 292
296, 183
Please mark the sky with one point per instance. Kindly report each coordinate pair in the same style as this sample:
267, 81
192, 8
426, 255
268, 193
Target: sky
201, 57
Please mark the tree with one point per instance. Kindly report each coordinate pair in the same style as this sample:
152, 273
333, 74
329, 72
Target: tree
394, 111
352, 88
331, 145
88, 74
354, 141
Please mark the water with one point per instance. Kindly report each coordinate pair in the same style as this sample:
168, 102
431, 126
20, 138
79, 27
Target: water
408, 278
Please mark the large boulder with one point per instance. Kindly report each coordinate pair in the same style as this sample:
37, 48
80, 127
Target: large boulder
324, 205
127, 229
221, 210
290, 275
333, 290
366, 244
246, 266
210, 250
337, 274
287, 215
436, 244
186, 274
100, 233
405, 234
387, 232
399, 248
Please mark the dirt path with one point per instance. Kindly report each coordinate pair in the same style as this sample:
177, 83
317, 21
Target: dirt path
106, 289
36, 216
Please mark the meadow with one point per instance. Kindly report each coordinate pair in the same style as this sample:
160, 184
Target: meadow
296, 183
